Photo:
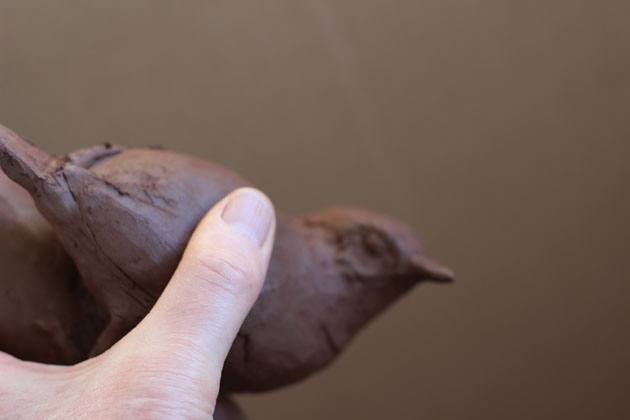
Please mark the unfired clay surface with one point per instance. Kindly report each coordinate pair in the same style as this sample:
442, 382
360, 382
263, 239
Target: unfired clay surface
125, 216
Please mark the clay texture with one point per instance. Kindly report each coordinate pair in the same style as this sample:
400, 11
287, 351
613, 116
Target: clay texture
46, 315
227, 409
125, 216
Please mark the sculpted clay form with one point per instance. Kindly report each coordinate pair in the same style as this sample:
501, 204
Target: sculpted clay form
125, 215
46, 314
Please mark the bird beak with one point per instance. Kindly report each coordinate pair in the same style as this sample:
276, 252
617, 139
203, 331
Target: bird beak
428, 269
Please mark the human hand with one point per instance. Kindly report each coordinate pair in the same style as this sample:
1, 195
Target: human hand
169, 366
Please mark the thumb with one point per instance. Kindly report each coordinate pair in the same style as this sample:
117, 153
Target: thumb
218, 280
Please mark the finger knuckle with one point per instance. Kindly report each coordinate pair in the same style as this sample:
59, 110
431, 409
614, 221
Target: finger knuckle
236, 276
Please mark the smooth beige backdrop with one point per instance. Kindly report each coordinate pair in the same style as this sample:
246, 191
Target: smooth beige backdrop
499, 129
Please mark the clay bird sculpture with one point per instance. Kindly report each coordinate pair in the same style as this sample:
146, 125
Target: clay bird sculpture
125, 215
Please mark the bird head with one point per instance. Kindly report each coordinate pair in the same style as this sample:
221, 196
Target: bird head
369, 245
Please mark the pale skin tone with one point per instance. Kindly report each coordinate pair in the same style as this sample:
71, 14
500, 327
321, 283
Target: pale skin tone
169, 366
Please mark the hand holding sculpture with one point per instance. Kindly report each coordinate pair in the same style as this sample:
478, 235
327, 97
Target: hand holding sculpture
169, 366
125, 215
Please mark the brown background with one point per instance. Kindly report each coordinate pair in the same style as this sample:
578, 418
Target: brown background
498, 129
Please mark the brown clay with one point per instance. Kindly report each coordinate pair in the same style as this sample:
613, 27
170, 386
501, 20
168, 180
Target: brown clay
227, 409
125, 215
46, 314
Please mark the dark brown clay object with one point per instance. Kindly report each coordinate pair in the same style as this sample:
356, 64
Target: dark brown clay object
227, 409
43, 304
125, 215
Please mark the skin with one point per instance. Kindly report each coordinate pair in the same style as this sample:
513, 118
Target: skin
169, 366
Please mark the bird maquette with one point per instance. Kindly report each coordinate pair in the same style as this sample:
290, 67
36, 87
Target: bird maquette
115, 223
